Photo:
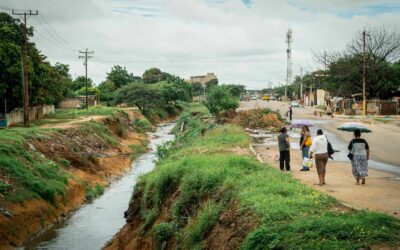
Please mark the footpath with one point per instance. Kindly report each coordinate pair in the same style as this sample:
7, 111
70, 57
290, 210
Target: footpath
380, 192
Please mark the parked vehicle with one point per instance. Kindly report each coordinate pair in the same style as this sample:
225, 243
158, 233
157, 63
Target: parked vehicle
295, 104
265, 98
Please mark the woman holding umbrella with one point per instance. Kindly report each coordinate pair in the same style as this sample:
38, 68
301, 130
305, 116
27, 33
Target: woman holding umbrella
359, 155
305, 143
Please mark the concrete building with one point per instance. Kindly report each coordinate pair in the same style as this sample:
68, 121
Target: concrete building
203, 79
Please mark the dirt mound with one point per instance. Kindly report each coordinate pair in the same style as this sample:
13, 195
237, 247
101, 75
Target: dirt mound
254, 119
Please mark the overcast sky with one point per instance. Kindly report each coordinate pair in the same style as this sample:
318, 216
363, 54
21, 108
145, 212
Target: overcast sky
241, 41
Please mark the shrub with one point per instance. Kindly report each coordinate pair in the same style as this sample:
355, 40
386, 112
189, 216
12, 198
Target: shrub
163, 232
219, 98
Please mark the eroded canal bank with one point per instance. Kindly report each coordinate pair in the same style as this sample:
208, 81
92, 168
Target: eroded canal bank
94, 224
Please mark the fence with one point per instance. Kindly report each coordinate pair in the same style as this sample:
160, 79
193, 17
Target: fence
374, 107
17, 115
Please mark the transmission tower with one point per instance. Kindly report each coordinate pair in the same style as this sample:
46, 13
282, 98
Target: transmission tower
289, 40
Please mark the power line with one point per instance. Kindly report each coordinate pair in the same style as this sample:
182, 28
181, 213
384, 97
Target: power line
57, 34
57, 40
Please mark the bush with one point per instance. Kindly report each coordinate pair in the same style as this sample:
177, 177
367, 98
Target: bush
219, 98
141, 126
163, 232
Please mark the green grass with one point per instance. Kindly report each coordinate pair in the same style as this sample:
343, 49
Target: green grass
75, 113
29, 175
99, 129
204, 178
93, 192
140, 148
33, 175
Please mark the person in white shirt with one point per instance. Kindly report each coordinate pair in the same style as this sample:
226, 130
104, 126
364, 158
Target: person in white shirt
319, 147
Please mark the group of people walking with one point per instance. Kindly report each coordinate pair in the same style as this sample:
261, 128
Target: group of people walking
318, 149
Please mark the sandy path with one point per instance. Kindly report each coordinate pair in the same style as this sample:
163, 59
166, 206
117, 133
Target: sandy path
380, 192
74, 122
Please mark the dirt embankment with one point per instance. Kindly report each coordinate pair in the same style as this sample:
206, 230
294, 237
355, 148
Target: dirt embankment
90, 154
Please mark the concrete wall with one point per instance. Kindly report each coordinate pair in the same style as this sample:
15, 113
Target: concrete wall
321, 97
76, 102
17, 116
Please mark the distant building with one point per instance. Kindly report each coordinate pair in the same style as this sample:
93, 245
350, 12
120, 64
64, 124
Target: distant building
203, 79
77, 102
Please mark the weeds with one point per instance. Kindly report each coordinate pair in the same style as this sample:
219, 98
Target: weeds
93, 193
203, 178
141, 126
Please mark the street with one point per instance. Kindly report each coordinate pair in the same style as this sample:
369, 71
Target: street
384, 141
380, 192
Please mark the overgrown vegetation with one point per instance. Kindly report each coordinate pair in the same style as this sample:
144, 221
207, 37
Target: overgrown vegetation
199, 178
220, 98
93, 192
33, 161
33, 176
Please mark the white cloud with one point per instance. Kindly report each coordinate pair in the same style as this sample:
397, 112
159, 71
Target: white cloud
241, 44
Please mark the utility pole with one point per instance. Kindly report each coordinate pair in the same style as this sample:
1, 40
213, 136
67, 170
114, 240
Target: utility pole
86, 57
289, 41
363, 76
26, 83
301, 83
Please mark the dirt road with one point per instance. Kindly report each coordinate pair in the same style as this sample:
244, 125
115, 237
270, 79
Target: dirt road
379, 194
384, 141
381, 191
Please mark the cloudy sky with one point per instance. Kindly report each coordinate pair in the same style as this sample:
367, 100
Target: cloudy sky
242, 41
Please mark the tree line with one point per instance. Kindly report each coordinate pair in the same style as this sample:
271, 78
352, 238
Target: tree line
344, 69
155, 93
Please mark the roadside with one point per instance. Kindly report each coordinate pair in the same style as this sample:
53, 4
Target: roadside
381, 191
209, 192
379, 194
384, 140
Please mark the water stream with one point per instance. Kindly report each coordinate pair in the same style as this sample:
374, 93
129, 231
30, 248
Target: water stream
91, 226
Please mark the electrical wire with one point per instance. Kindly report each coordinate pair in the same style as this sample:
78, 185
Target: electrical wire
48, 31
56, 33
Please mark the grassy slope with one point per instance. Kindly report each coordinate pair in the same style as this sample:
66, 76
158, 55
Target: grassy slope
204, 178
27, 174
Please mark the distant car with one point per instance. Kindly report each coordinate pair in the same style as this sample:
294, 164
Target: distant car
265, 98
295, 104
254, 97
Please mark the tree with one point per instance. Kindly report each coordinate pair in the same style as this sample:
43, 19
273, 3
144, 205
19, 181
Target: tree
91, 91
80, 82
198, 89
219, 98
107, 89
236, 89
143, 96
153, 75
175, 91
344, 72
120, 76
211, 83
47, 84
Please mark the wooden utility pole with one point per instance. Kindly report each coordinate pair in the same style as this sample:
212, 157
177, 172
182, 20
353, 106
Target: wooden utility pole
301, 83
26, 83
86, 57
363, 75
